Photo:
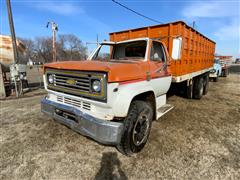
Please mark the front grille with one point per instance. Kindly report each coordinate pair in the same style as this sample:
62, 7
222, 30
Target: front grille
74, 102
80, 83
60, 99
77, 83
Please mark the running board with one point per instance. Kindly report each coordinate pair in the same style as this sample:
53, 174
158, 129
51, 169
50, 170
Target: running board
163, 110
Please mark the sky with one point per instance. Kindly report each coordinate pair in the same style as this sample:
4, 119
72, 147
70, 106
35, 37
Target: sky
218, 20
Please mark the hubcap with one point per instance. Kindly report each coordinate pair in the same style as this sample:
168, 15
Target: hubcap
141, 127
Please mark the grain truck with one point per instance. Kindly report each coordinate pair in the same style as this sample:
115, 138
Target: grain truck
114, 96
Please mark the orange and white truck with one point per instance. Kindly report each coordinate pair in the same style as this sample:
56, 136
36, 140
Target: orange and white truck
114, 96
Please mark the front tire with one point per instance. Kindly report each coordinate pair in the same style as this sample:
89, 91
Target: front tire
137, 126
215, 79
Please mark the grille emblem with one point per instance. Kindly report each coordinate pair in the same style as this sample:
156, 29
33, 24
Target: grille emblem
71, 81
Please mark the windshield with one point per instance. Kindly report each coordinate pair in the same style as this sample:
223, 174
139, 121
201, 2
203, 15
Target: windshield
122, 51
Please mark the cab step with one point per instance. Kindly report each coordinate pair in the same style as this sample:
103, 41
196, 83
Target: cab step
163, 110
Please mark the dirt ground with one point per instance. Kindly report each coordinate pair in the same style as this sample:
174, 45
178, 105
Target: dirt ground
196, 140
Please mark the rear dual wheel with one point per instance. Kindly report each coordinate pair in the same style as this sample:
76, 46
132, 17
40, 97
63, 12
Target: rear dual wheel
206, 84
225, 72
190, 89
198, 88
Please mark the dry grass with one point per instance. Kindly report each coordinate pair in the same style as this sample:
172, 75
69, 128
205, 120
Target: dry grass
196, 140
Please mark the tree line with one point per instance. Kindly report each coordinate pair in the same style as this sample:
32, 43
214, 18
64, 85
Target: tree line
69, 47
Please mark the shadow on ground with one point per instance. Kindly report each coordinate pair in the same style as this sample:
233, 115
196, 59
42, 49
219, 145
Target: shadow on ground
110, 167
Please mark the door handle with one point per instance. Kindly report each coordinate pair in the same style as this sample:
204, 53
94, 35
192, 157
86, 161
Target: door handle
148, 76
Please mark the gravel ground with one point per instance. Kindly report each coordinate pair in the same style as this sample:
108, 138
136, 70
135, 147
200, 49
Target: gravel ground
196, 140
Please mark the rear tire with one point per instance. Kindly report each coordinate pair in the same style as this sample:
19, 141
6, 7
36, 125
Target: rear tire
225, 73
206, 85
198, 88
189, 90
137, 126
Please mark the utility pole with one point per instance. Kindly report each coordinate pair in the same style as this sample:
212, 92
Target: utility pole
14, 43
15, 51
54, 27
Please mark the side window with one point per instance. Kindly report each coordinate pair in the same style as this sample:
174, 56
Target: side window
157, 52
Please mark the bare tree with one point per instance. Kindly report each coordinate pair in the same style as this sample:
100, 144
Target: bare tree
70, 47
30, 50
43, 47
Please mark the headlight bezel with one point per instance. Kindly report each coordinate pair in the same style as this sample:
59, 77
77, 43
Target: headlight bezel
99, 85
52, 78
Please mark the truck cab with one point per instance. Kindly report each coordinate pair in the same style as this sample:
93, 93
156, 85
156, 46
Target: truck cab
114, 96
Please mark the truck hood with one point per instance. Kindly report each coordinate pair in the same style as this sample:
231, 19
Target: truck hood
118, 71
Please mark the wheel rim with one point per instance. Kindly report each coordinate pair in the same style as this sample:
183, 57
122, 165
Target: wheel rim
141, 127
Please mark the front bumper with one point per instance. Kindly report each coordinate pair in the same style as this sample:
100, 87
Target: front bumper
103, 131
213, 74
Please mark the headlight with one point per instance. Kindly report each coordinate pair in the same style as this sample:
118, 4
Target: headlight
21, 76
213, 71
96, 86
50, 78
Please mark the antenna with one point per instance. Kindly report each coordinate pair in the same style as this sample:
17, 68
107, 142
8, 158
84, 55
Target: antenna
193, 24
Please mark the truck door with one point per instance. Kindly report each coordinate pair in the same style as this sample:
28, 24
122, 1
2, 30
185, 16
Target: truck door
160, 76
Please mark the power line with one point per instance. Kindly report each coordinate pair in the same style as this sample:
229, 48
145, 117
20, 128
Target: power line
151, 19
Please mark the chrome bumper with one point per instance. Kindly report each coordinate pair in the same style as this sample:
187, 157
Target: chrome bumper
105, 132
213, 74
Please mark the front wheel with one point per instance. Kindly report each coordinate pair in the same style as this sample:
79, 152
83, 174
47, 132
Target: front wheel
215, 79
137, 126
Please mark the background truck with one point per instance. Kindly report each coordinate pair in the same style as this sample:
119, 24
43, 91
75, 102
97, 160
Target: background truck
216, 71
114, 96
225, 62
237, 61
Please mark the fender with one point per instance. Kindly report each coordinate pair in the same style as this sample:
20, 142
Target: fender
126, 94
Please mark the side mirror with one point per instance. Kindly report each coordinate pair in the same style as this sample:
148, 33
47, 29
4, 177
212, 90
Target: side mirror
177, 47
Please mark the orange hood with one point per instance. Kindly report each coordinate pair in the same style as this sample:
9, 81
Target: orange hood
117, 71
